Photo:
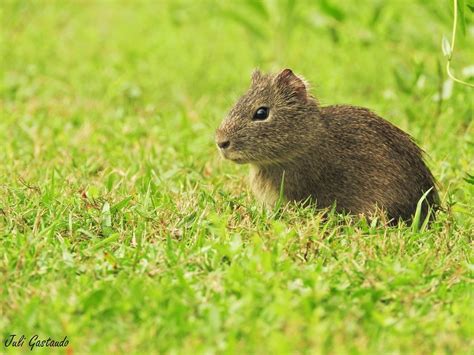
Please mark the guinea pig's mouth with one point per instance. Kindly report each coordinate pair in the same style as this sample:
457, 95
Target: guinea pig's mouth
239, 160
234, 156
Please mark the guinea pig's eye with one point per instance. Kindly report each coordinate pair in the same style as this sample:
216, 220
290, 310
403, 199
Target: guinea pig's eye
261, 114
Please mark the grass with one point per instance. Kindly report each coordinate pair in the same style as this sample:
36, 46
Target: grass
121, 228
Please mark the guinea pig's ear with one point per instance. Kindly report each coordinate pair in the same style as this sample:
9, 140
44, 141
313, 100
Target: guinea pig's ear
256, 76
287, 79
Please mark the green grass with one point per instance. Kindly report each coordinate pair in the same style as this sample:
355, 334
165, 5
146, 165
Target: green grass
121, 228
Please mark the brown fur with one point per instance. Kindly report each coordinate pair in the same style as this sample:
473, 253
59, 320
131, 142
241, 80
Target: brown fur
337, 154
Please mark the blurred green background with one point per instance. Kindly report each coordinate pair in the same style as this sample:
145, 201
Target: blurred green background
121, 228
96, 69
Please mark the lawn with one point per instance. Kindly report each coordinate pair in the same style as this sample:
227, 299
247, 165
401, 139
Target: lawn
122, 228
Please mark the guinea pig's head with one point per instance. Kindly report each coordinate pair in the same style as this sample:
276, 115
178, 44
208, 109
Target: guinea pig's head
272, 123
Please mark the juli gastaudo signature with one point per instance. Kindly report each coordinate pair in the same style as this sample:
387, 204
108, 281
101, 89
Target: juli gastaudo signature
35, 341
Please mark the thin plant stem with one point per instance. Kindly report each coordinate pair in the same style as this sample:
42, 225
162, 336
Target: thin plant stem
453, 39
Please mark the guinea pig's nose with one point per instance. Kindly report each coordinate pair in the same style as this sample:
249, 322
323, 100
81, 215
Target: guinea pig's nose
223, 144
